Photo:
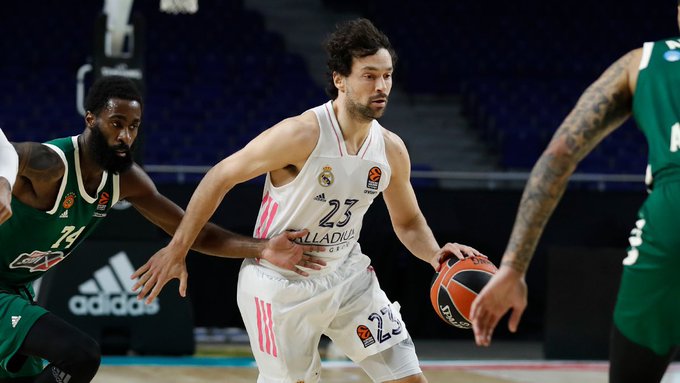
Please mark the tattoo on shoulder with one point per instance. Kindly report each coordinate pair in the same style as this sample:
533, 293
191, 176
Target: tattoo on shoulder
40, 163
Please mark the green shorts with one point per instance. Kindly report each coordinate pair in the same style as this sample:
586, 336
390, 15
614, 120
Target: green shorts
17, 316
648, 304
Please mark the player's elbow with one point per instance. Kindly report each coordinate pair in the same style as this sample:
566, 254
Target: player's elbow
557, 160
560, 151
411, 224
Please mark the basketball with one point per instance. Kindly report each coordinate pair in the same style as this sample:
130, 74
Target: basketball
456, 285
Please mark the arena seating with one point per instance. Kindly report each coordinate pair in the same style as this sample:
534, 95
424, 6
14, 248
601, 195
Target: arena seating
217, 78
213, 80
521, 66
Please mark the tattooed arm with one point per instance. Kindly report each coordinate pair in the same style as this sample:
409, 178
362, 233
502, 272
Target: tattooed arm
602, 108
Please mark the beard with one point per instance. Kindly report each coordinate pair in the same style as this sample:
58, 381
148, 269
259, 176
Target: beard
361, 111
106, 156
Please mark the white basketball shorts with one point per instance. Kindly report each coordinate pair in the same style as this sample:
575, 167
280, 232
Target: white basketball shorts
285, 319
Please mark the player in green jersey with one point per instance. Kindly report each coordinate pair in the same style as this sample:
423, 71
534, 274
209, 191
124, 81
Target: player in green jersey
63, 189
644, 83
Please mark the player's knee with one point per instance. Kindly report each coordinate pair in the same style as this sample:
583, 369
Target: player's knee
83, 357
89, 354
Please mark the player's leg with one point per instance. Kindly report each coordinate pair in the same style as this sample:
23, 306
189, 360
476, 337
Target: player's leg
279, 316
396, 364
73, 356
633, 363
17, 380
646, 328
645, 333
369, 329
31, 334
18, 314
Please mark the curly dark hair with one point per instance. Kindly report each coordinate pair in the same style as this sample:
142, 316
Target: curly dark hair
108, 87
354, 38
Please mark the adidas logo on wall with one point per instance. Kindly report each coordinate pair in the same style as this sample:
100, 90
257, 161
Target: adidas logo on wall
109, 292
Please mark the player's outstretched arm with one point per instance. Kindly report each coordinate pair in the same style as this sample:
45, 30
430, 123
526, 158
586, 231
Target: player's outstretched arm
280, 250
602, 108
271, 150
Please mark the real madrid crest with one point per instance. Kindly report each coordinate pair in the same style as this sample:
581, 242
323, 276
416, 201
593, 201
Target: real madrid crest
326, 177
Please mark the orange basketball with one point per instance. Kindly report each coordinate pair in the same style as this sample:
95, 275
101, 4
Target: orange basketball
456, 285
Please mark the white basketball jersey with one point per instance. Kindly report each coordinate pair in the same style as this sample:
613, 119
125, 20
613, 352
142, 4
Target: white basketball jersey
329, 196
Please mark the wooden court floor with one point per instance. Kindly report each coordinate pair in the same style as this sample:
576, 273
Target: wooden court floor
441, 361
336, 372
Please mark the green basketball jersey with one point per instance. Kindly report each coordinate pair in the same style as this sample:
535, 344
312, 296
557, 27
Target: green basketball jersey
33, 241
656, 105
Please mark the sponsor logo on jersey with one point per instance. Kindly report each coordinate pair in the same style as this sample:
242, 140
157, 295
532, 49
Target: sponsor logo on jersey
69, 200
37, 260
333, 241
15, 320
326, 177
373, 178
365, 336
64, 214
321, 197
672, 56
109, 292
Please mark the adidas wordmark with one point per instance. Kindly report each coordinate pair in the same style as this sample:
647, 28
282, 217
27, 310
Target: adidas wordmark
109, 292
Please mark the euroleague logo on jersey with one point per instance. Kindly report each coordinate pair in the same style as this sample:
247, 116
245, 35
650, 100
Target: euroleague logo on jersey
365, 335
373, 178
103, 200
101, 205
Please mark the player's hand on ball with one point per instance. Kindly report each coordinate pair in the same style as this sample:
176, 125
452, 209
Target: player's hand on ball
506, 290
453, 249
284, 252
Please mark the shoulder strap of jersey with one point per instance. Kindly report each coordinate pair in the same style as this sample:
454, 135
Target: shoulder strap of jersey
646, 54
64, 180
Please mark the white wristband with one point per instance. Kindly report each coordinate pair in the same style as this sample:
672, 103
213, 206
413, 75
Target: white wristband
9, 160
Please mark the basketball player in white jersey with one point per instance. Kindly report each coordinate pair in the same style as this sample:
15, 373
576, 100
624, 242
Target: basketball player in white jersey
324, 168
9, 165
